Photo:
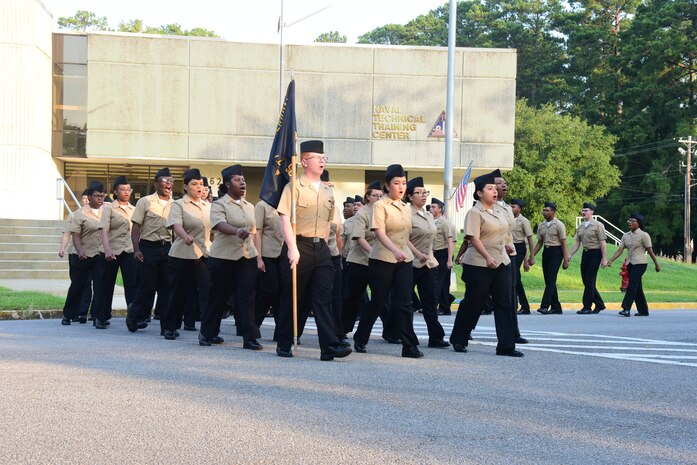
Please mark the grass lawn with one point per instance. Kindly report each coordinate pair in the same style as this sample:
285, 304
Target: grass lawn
677, 282
29, 300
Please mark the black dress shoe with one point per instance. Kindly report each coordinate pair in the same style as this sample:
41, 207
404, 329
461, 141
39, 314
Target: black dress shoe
216, 340
252, 344
203, 341
75, 320
411, 352
585, 311
131, 325
470, 338
523, 312
65, 321
107, 322
544, 311
169, 335
459, 348
190, 328
99, 324
286, 353
344, 343
156, 317
392, 340
521, 340
624, 313
338, 352
441, 344
142, 324
554, 311
82, 319
360, 348
509, 353
597, 310
641, 314
91, 318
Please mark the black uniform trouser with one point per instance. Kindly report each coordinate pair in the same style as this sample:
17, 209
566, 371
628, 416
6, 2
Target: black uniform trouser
635, 289
337, 297
482, 282
520, 297
109, 271
393, 281
354, 297
443, 291
186, 277
80, 273
268, 291
515, 276
590, 263
314, 269
552, 258
236, 278
153, 277
426, 281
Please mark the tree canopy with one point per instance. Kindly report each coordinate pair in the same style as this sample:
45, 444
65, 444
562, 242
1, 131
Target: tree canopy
331, 37
89, 21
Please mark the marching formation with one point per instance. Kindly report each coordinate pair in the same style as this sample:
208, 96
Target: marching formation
198, 259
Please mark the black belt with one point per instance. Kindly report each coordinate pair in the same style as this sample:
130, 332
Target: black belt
314, 240
160, 242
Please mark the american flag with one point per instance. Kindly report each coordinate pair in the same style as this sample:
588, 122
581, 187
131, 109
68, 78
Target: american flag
461, 191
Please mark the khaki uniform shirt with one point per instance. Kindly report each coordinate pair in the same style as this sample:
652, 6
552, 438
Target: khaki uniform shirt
508, 211
151, 215
86, 223
70, 248
591, 235
196, 221
239, 214
268, 223
394, 217
346, 233
552, 233
445, 230
333, 228
636, 244
423, 231
314, 209
116, 221
361, 228
521, 230
491, 227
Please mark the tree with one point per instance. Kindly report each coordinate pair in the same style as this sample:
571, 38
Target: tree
560, 158
84, 21
331, 37
134, 25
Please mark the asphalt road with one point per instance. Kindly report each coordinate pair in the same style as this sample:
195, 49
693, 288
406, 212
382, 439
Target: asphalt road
590, 390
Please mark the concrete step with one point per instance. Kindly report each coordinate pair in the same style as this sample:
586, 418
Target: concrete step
29, 230
15, 222
33, 265
34, 274
33, 238
49, 255
13, 246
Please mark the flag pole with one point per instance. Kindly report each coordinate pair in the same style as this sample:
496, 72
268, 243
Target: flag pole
294, 271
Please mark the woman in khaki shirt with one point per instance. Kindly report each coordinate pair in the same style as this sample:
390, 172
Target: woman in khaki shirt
638, 244
232, 262
485, 271
357, 260
189, 218
390, 266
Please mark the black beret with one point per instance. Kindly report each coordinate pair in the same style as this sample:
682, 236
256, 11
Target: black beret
163, 173
358, 199
375, 185
483, 180
119, 181
95, 186
316, 146
349, 200
637, 216
324, 176
437, 202
589, 206
394, 171
234, 170
551, 205
193, 173
414, 183
518, 202
497, 173
205, 182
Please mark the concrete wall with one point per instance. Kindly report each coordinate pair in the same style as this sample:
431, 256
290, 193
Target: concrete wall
191, 100
25, 111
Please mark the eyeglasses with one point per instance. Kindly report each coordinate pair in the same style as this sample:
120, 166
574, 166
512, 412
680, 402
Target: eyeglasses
166, 180
319, 157
426, 193
97, 195
376, 196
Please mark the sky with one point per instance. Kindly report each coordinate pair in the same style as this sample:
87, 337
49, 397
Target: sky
255, 21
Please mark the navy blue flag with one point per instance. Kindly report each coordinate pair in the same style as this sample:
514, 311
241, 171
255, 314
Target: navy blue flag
278, 171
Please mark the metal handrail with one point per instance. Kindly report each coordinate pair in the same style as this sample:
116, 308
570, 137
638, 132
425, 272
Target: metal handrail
615, 239
61, 185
